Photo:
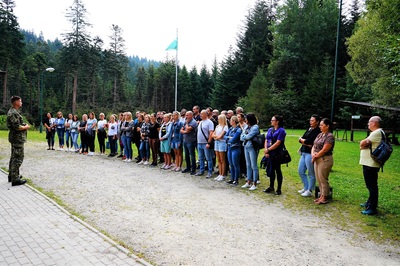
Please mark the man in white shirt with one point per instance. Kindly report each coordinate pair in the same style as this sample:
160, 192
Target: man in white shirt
204, 140
370, 167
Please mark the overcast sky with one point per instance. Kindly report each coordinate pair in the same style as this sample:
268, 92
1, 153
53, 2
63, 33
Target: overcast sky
206, 28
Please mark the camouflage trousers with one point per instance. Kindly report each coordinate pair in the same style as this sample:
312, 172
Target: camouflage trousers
16, 159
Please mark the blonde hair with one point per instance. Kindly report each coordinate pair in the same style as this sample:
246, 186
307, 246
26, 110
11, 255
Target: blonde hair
235, 118
222, 120
168, 115
113, 116
129, 115
176, 113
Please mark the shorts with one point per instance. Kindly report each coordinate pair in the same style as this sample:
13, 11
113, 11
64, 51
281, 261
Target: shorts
220, 145
175, 143
165, 146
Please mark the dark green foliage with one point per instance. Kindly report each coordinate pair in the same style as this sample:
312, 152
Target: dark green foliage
375, 52
259, 98
282, 63
186, 93
206, 86
304, 35
254, 49
11, 51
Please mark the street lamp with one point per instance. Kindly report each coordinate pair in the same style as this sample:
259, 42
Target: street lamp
49, 69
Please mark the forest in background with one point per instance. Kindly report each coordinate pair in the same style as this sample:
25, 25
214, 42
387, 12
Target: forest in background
282, 63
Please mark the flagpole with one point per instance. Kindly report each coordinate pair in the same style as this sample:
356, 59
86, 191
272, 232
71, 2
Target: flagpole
176, 73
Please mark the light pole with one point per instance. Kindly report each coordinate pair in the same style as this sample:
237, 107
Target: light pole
336, 60
49, 69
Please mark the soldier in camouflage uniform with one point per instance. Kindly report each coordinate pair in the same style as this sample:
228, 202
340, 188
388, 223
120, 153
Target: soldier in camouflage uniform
17, 138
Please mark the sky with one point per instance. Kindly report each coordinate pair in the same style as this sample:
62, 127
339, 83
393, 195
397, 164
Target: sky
205, 28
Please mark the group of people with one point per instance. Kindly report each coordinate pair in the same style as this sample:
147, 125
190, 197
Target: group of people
226, 138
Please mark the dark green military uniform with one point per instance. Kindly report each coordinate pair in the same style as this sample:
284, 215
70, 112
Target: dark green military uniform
17, 138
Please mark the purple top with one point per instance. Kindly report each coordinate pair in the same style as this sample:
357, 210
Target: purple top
275, 135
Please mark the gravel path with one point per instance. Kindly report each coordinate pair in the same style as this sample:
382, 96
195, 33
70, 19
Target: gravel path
178, 219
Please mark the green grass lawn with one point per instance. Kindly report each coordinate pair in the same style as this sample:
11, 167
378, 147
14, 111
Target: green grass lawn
348, 189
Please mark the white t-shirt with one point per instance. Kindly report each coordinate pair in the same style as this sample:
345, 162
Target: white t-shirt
206, 125
365, 154
219, 129
68, 122
112, 129
101, 123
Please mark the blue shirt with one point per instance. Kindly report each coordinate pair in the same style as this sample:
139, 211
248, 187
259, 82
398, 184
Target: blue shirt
249, 133
60, 122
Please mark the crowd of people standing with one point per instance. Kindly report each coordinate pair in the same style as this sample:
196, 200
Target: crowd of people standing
226, 138
223, 139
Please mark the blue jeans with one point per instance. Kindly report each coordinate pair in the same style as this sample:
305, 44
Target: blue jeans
144, 149
251, 164
127, 147
205, 154
190, 155
305, 164
234, 162
75, 140
60, 134
68, 138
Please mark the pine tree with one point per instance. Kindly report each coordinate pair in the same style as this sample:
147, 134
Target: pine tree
11, 45
76, 45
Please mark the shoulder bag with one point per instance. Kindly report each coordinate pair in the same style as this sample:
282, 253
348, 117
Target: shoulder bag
382, 153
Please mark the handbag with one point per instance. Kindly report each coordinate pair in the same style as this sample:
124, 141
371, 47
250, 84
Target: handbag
382, 153
258, 141
283, 156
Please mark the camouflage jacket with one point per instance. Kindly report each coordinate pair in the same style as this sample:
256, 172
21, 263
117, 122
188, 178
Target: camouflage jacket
14, 122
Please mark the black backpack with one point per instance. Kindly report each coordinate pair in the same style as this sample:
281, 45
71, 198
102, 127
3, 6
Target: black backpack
382, 153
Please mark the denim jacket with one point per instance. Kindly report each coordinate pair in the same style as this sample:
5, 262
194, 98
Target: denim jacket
168, 129
233, 136
60, 122
176, 132
248, 134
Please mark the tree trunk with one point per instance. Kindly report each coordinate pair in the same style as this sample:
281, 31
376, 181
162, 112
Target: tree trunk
5, 87
74, 92
115, 98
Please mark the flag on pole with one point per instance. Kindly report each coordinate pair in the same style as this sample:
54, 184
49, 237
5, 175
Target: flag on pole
173, 45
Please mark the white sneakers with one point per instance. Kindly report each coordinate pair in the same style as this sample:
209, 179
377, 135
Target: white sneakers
146, 162
91, 153
219, 178
305, 192
141, 162
253, 187
246, 185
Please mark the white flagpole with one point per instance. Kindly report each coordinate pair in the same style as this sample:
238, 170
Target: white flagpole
176, 72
